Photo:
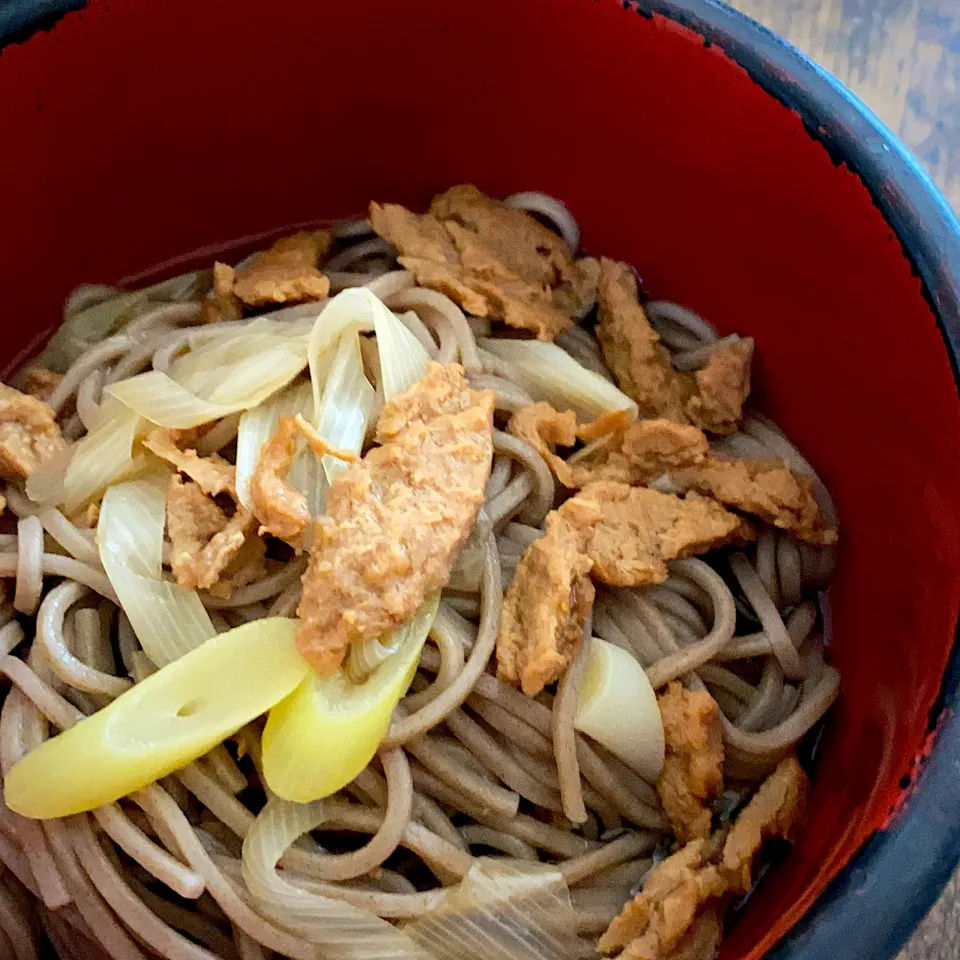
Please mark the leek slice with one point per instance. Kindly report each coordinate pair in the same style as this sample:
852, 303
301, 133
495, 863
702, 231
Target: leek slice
159, 398
549, 373
617, 707
161, 724
341, 930
403, 359
168, 620
322, 736
507, 909
103, 456
344, 411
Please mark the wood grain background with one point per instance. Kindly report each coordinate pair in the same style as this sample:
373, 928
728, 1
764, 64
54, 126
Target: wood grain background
903, 58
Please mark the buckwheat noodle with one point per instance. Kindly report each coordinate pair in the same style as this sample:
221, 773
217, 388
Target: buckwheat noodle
470, 765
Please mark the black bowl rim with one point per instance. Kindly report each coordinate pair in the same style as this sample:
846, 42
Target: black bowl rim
896, 876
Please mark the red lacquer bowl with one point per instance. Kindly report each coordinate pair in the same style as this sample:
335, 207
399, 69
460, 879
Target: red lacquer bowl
739, 178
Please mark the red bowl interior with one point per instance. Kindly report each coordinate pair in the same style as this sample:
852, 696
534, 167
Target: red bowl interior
134, 133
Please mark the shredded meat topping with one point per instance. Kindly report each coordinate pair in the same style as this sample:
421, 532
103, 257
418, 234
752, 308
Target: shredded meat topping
632, 347
624, 451
776, 810
396, 519
670, 918
247, 566
712, 398
722, 387
205, 540
281, 509
29, 434
546, 605
766, 488
286, 272
222, 305
212, 474
692, 775
620, 535
494, 261
655, 922
641, 529
40, 382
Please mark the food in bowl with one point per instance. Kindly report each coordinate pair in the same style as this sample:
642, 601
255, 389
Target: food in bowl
249, 496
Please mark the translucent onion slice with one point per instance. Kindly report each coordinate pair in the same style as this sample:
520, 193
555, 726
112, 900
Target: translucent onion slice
403, 360
618, 708
157, 397
549, 373
346, 402
168, 620
341, 930
508, 909
161, 724
322, 736
103, 456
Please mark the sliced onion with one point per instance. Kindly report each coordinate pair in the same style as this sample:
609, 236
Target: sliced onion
103, 456
547, 372
617, 707
322, 736
346, 403
340, 929
507, 909
163, 723
168, 620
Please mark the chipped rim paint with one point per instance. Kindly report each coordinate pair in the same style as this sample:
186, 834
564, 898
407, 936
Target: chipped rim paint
891, 883
874, 904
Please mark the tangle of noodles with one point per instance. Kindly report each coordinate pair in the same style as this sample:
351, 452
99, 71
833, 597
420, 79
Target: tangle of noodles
470, 767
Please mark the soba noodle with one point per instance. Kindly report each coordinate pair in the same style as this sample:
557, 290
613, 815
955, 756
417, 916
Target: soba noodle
470, 765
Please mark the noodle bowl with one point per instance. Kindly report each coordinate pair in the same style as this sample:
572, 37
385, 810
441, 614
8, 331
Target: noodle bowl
470, 767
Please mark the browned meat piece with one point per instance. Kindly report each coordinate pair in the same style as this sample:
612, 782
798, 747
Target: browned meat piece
281, 509
246, 567
545, 429
319, 446
205, 540
212, 474
492, 260
723, 386
670, 919
628, 452
621, 535
701, 941
632, 347
777, 809
766, 488
396, 519
712, 398
640, 453
40, 382
546, 605
641, 529
29, 434
659, 918
692, 775
222, 305
286, 272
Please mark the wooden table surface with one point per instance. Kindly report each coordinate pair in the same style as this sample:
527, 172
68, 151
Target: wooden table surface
903, 58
